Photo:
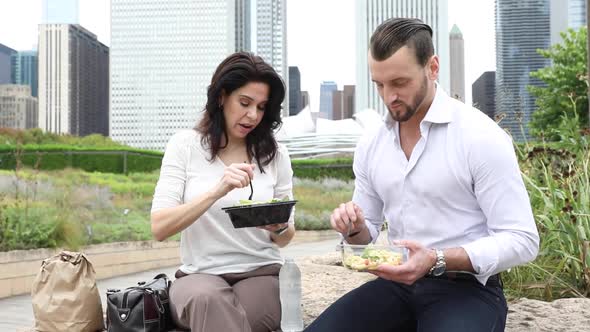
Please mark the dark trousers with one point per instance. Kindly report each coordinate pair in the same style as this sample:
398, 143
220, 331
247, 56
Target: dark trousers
441, 304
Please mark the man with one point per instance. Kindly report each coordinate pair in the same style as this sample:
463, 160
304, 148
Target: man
446, 179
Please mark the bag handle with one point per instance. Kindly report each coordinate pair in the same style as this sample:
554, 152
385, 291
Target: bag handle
161, 276
151, 292
74, 258
71, 257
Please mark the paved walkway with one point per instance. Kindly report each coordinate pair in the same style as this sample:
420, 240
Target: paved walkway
16, 312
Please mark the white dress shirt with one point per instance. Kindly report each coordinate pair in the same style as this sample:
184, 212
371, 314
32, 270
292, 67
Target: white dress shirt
461, 187
211, 244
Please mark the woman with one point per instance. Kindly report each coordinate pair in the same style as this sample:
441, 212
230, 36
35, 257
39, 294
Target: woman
228, 280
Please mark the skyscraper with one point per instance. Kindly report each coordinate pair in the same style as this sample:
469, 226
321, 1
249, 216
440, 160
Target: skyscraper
163, 54
261, 28
5, 67
25, 70
522, 27
576, 13
483, 92
60, 11
370, 14
294, 90
348, 98
343, 103
73, 81
271, 37
243, 26
457, 58
304, 99
566, 14
18, 109
326, 106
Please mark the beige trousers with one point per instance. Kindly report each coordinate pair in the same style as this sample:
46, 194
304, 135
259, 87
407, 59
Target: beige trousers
235, 302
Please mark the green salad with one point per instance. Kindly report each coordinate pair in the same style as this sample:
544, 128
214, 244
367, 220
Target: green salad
251, 202
371, 258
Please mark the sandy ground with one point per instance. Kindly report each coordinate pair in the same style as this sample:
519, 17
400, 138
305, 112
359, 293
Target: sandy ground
323, 281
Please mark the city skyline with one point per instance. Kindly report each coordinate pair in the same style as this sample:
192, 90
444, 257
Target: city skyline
334, 55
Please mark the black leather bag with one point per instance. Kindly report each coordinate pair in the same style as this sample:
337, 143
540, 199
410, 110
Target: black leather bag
144, 308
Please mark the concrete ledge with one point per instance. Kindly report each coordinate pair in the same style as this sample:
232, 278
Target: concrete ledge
18, 268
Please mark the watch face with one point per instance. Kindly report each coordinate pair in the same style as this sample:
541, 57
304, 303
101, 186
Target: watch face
438, 271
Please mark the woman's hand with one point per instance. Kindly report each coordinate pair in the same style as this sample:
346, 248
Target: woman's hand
234, 176
280, 234
274, 227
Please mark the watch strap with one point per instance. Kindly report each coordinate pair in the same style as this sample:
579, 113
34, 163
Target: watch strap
440, 261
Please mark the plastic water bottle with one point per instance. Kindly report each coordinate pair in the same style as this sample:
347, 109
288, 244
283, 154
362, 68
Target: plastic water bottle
290, 293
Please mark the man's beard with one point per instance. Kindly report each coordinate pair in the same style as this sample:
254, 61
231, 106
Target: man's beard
400, 116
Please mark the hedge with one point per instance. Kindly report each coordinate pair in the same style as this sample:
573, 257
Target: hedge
129, 160
107, 160
323, 168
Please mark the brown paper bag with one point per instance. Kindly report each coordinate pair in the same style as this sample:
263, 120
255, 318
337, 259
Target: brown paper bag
65, 296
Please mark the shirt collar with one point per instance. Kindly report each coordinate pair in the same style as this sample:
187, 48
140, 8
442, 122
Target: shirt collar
439, 111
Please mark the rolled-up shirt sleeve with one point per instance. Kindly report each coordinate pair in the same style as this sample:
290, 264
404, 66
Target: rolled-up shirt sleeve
364, 195
502, 196
169, 190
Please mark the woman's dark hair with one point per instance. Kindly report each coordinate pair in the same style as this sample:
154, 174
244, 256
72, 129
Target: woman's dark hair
233, 73
396, 33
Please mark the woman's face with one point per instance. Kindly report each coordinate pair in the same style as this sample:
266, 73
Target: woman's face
243, 109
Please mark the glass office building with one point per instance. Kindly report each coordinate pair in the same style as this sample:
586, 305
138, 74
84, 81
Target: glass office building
25, 70
163, 54
522, 27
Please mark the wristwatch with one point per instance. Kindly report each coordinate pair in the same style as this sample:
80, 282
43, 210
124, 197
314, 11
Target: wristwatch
280, 231
440, 265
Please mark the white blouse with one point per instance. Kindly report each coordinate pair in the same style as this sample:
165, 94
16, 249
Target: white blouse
211, 244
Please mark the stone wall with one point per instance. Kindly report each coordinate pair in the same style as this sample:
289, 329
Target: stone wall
18, 268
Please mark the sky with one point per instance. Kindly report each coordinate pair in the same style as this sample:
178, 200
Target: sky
322, 45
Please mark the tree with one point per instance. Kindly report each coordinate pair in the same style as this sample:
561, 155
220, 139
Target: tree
566, 89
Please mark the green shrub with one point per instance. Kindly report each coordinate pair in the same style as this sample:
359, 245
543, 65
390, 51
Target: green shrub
24, 226
129, 229
323, 168
557, 177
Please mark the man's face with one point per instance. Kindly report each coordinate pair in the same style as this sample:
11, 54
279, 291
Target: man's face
402, 82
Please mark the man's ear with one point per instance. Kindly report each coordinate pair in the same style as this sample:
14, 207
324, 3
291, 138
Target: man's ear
433, 68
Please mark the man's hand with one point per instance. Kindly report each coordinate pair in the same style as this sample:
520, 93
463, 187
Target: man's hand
347, 213
421, 259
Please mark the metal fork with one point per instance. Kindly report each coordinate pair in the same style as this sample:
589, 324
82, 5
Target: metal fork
349, 229
251, 188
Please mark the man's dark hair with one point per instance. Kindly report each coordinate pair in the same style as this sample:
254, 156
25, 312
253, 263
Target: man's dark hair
396, 33
231, 74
